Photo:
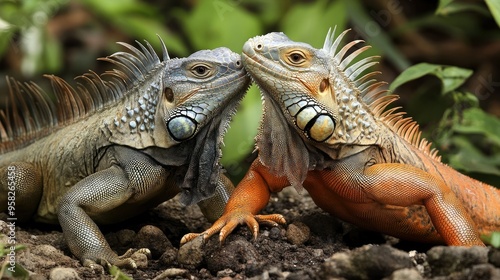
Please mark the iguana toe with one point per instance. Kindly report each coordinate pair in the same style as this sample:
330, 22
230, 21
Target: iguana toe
191, 236
271, 220
95, 267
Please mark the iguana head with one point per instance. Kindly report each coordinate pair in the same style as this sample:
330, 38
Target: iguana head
198, 88
314, 103
176, 98
317, 90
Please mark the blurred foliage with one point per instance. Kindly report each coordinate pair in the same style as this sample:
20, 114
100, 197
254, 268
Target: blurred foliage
470, 136
454, 106
493, 239
6, 270
118, 274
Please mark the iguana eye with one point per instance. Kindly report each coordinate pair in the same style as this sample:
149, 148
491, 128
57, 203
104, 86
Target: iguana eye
201, 70
296, 58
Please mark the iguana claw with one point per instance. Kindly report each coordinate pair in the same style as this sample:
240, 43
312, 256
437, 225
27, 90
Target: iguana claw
227, 223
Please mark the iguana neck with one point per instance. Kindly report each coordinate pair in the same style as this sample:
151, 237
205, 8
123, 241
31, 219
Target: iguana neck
137, 121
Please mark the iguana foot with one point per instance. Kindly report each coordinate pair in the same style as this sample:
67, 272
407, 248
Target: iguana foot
123, 261
130, 252
228, 222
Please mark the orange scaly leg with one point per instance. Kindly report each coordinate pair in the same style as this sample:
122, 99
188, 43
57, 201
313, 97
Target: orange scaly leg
249, 198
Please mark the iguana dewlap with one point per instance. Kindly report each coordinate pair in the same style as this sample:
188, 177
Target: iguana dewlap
119, 143
325, 129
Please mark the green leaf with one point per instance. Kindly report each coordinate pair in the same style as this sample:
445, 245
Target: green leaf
494, 6
413, 73
217, 23
368, 28
239, 139
140, 21
52, 52
118, 274
450, 7
451, 77
443, 4
493, 239
117, 8
5, 39
148, 29
470, 159
269, 12
321, 16
17, 272
476, 121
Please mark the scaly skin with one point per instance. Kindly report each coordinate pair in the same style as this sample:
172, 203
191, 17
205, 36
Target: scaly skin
158, 134
360, 163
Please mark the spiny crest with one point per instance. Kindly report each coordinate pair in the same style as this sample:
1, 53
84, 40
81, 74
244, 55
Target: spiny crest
30, 113
371, 91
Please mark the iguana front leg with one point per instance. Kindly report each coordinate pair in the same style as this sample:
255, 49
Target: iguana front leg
134, 179
248, 199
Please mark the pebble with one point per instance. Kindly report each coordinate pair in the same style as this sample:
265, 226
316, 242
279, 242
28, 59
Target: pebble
191, 253
445, 260
63, 273
366, 262
298, 233
152, 238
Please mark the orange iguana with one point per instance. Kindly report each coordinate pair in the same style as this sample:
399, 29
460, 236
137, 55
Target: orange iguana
325, 128
120, 143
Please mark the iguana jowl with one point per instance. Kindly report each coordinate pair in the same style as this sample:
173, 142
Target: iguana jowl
325, 128
120, 143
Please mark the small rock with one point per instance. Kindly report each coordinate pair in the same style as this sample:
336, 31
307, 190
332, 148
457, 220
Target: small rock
298, 233
152, 238
367, 262
169, 256
494, 256
275, 233
63, 273
125, 237
4, 228
46, 250
238, 255
445, 260
172, 273
35, 276
225, 273
405, 274
318, 252
323, 225
191, 253
484, 271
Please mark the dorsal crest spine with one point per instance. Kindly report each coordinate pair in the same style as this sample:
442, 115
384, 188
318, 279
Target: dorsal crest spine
371, 92
31, 113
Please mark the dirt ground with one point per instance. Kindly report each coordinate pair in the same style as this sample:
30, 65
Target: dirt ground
313, 245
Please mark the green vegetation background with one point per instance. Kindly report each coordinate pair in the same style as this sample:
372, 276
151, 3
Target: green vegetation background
458, 109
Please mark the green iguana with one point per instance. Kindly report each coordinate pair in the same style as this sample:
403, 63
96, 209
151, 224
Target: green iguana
119, 143
325, 128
